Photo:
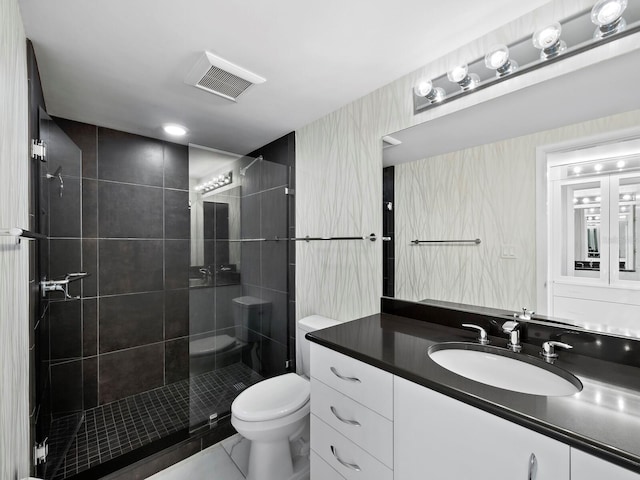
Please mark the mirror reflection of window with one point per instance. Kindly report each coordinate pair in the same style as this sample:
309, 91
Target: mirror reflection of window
583, 236
628, 228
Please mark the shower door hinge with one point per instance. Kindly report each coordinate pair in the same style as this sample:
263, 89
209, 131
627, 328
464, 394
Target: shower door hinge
287, 364
40, 452
289, 191
213, 420
38, 150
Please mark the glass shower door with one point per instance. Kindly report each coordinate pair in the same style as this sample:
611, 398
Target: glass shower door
58, 352
238, 288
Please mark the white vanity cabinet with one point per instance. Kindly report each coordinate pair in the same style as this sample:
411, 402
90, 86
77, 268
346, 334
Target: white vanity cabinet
367, 424
439, 438
588, 467
351, 418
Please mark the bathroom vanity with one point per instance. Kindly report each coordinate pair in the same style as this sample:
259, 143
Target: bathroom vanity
383, 409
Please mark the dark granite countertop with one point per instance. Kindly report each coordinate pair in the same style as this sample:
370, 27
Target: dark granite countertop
603, 419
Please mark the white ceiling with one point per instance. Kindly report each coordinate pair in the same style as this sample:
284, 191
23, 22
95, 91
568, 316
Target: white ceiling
121, 63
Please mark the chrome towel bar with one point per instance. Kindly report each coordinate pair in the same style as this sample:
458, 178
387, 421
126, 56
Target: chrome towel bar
477, 241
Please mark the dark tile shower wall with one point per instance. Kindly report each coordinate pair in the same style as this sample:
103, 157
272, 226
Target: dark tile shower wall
129, 332
268, 268
388, 248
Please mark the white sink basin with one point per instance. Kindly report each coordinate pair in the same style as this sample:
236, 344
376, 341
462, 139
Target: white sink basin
502, 368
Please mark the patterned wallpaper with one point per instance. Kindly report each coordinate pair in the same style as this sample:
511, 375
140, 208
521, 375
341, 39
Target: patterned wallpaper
339, 178
14, 270
486, 192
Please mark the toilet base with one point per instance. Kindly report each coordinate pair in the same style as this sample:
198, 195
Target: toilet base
270, 460
265, 463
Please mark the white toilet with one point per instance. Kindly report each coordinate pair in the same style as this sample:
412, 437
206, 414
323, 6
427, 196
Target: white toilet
275, 412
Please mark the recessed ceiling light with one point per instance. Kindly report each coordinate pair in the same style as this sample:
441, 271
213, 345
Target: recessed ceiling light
175, 130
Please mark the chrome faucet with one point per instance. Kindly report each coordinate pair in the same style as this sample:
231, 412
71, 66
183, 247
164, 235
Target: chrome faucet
512, 328
47, 286
206, 273
483, 338
525, 315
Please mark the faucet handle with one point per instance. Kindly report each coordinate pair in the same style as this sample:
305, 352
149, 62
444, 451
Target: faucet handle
548, 349
483, 338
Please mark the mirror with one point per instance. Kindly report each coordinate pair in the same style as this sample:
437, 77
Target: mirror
473, 172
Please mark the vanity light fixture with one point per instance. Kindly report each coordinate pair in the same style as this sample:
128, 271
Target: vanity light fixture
426, 89
175, 130
597, 167
586, 200
577, 170
547, 39
498, 59
607, 15
460, 75
626, 197
620, 164
215, 183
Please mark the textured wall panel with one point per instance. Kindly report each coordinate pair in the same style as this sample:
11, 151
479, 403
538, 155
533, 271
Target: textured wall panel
14, 272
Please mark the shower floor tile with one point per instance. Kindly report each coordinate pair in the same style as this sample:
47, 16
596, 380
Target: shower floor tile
119, 427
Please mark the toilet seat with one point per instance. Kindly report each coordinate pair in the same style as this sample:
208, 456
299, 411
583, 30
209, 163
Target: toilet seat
211, 345
270, 399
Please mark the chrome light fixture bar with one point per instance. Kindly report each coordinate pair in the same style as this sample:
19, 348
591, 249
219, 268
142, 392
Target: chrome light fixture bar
426, 89
216, 182
607, 15
460, 75
548, 41
497, 58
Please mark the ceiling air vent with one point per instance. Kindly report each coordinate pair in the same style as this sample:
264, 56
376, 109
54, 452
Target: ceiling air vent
221, 77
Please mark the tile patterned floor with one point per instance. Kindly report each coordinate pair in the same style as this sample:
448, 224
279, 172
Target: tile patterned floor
119, 427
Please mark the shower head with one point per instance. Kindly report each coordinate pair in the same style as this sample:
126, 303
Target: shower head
243, 171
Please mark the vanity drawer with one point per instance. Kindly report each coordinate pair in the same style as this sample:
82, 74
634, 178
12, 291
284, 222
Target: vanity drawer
367, 385
349, 460
369, 430
320, 470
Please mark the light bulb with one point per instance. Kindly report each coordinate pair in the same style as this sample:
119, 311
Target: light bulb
498, 59
547, 39
458, 73
597, 167
425, 89
620, 164
586, 200
577, 169
607, 15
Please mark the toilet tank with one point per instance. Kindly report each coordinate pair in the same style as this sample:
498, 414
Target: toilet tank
305, 325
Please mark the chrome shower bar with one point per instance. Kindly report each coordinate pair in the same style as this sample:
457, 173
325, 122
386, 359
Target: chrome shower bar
476, 241
372, 237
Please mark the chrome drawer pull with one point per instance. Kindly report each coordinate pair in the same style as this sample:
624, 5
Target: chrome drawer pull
353, 423
352, 466
349, 379
533, 467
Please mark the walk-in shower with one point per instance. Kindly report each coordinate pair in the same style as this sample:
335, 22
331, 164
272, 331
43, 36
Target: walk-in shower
160, 301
